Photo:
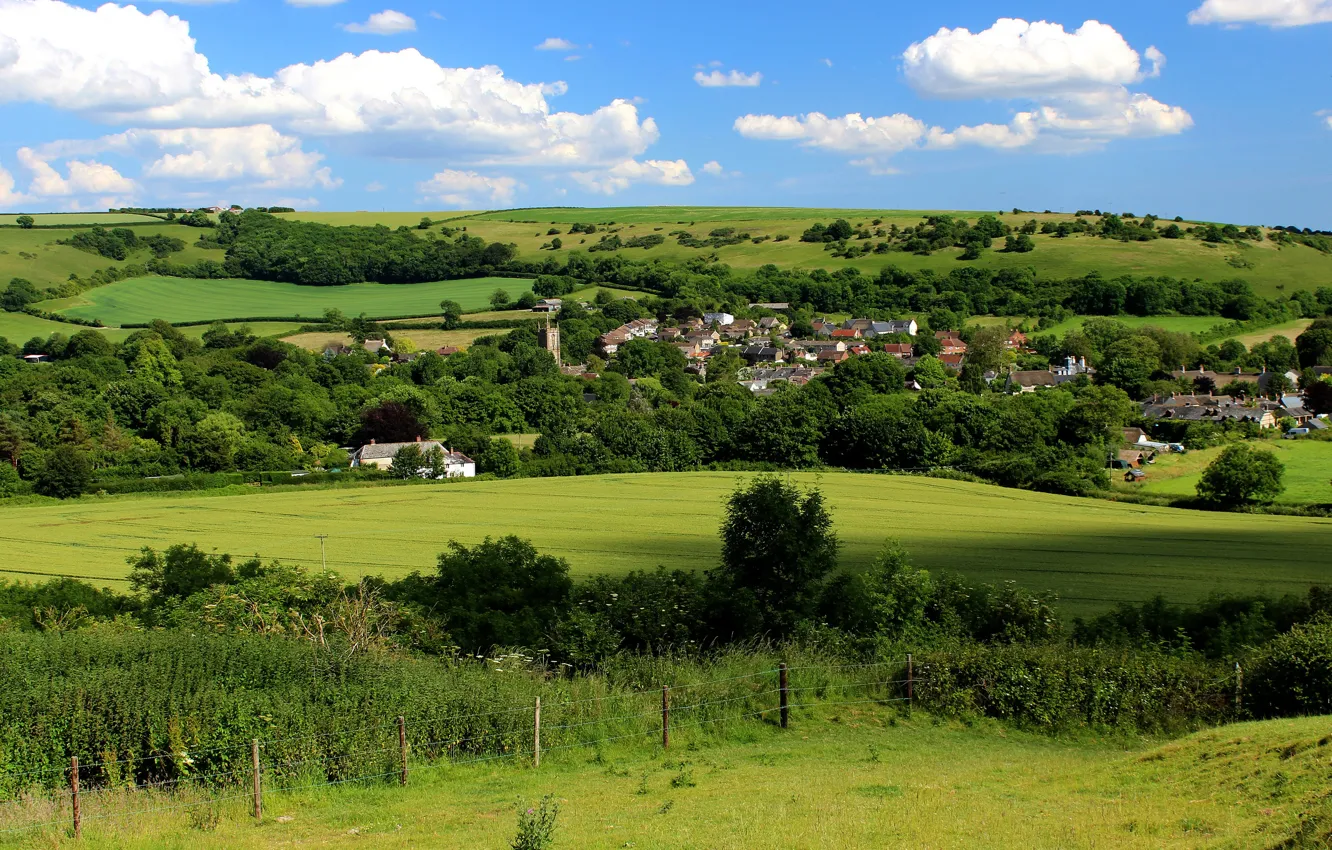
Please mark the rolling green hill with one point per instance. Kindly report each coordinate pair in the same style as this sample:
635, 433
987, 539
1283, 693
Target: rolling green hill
34, 254
1093, 553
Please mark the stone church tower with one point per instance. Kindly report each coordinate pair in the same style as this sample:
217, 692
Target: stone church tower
549, 339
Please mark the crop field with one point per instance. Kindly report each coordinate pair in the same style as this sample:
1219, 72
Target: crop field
1308, 477
1289, 330
1092, 553
426, 340
184, 300
855, 776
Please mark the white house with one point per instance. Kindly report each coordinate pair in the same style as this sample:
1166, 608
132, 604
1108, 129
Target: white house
718, 319
380, 456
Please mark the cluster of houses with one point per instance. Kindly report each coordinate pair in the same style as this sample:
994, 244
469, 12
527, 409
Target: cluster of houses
1265, 413
453, 464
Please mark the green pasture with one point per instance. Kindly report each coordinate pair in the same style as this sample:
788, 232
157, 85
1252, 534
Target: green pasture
1182, 324
80, 218
1271, 270
34, 254
1308, 477
1093, 553
184, 300
852, 776
18, 328
388, 218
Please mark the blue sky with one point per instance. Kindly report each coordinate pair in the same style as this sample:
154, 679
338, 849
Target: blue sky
1205, 108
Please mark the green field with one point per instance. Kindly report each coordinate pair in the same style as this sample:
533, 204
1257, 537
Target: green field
368, 218
18, 328
1182, 324
34, 254
1290, 330
185, 300
848, 777
1093, 553
89, 218
1308, 476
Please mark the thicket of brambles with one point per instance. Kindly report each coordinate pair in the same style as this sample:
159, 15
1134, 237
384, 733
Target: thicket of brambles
207, 652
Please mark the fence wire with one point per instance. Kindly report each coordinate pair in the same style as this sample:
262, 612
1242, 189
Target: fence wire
509, 740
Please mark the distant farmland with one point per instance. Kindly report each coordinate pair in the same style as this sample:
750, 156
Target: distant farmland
176, 299
1093, 553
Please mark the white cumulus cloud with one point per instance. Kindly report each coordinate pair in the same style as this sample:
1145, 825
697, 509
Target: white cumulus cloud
717, 79
1272, 13
851, 133
387, 22
468, 189
621, 176
1074, 87
1014, 58
10, 197
85, 178
554, 43
249, 155
714, 168
121, 66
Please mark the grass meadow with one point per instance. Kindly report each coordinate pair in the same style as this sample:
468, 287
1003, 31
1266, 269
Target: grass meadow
851, 776
18, 328
82, 218
1308, 477
426, 340
1271, 270
1093, 553
34, 254
184, 300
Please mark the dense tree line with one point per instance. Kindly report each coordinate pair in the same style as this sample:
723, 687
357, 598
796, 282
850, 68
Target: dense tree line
161, 404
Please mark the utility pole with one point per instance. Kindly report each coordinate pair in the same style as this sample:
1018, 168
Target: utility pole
322, 558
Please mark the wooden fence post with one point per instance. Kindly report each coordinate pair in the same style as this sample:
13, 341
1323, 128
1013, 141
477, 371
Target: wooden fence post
402, 750
258, 788
74, 793
536, 736
665, 718
1239, 688
911, 683
783, 687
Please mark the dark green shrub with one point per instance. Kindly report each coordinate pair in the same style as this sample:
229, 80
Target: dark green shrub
1293, 674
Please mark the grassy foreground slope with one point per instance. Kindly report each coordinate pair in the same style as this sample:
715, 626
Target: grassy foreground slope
851, 777
1093, 553
176, 299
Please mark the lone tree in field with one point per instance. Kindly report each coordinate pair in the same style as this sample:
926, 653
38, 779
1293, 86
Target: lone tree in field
499, 299
66, 473
25, 221
1242, 474
778, 546
451, 312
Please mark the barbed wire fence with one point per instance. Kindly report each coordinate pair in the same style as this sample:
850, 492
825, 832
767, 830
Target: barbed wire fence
204, 782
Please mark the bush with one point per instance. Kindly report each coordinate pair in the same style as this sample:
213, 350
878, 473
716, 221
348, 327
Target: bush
1058, 687
1293, 674
536, 825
